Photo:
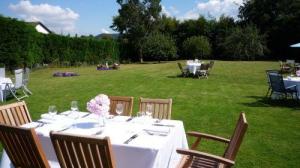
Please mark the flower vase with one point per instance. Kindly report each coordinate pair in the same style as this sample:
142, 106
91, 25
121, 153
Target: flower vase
101, 121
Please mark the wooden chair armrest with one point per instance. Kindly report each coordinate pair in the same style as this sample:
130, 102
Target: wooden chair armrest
208, 136
206, 156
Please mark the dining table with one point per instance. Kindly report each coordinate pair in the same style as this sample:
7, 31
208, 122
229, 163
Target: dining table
137, 142
292, 80
193, 66
3, 87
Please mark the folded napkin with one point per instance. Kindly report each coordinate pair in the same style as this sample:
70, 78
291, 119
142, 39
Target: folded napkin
158, 130
48, 118
45, 129
31, 125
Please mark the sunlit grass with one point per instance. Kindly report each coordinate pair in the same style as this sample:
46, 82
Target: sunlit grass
207, 105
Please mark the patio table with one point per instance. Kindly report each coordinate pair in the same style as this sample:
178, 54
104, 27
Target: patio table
154, 147
193, 66
289, 81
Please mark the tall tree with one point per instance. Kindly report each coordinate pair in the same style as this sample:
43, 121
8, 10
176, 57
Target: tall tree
136, 20
278, 19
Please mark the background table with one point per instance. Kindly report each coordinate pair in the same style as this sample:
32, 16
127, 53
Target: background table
192, 66
145, 151
289, 81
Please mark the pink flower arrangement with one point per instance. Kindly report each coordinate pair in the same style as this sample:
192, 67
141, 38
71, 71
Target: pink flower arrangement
298, 73
99, 105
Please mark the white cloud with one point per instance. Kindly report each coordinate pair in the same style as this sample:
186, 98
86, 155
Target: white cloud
165, 11
214, 8
57, 19
105, 31
170, 11
174, 10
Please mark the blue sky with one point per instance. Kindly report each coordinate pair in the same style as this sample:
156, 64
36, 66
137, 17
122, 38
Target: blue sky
86, 17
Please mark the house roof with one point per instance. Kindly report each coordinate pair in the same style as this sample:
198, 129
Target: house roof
41, 24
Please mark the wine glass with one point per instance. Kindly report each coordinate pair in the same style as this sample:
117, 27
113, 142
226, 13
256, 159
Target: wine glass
74, 106
52, 110
149, 110
119, 109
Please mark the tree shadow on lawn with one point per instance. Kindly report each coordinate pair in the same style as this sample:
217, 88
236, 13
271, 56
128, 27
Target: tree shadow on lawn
262, 101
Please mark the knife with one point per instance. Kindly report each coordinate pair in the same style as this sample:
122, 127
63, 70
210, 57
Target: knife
129, 119
131, 138
166, 125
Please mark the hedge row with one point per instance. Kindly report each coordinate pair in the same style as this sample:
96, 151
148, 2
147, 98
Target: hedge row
21, 45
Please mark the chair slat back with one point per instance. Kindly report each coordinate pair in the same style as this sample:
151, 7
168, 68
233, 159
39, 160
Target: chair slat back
276, 82
237, 137
26, 76
127, 104
14, 114
204, 66
180, 67
18, 78
79, 151
211, 64
162, 108
23, 147
2, 72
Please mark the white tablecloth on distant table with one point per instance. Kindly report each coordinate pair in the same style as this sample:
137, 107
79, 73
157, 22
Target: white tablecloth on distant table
157, 150
289, 81
3, 82
192, 66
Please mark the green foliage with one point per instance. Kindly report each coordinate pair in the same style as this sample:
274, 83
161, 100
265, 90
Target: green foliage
278, 19
136, 20
245, 43
159, 47
21, 45
197, 47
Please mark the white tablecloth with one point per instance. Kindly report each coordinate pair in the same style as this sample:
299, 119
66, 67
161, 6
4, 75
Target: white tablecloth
192, 66
157, 150
3, 82
289, 81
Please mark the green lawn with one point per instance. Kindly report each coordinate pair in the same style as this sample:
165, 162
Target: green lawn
208, 105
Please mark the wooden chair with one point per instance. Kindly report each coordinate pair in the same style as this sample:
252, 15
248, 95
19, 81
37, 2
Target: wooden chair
184, 72
79, 151
127, 104
162, 108
14, 114
23, 147
203, 71
196, 159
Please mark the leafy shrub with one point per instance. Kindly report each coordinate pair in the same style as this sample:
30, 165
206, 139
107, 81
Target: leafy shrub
197, 47
159, 47
245, 43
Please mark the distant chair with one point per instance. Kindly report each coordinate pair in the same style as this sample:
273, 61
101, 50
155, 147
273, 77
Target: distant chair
285, 68
277, 86
203, 71
2, 72
211, 65
26, 81
18, 85
23, 147
127, 104
162, 108
14, 114
82, 151
196, 159
268, 80
184, 72
291, 62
